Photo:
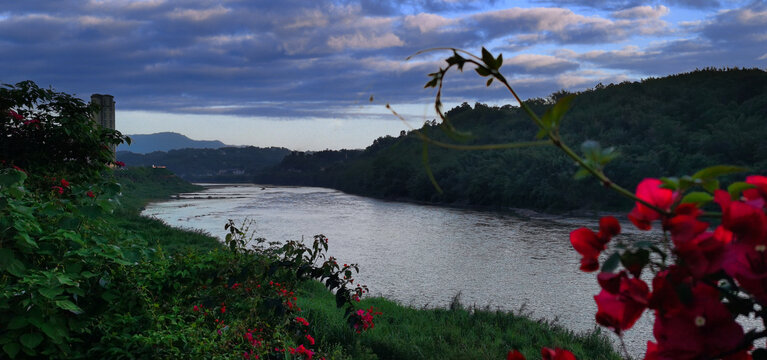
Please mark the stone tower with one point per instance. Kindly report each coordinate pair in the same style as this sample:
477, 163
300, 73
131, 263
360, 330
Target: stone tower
106, 115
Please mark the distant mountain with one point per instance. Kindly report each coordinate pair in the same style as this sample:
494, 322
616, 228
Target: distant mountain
165, 141
226, 164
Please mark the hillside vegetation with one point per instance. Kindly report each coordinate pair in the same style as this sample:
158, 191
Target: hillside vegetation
669, 126
227, 164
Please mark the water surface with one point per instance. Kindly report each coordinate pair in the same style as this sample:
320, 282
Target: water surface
421, 255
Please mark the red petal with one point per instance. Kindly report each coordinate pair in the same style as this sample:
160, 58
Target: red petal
609, 226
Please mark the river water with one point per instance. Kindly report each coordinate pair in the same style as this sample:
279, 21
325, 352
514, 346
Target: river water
421, 255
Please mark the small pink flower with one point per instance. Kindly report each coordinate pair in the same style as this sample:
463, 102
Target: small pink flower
58, 189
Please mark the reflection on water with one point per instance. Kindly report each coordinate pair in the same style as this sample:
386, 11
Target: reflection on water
421, 255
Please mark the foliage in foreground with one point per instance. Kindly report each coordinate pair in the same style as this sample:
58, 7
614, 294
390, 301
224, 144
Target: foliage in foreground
705, 274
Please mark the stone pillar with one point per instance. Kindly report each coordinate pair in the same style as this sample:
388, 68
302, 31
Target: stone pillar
105, 117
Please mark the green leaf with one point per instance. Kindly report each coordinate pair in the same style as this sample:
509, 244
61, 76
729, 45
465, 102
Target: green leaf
9, 263
70, 306
671, 183
711, 185
611, 263
31, 340
554, 114
12, 349
737, 187
50, 293
718, 170
582, 173
17, 322
488, 59
11, 178
698, 197
489, 81
482, 71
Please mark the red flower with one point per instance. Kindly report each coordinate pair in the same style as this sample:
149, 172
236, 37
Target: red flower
700, 250
746, 222
59, 189
515, 355
310, 338
556, 354
758, 195
223, 309
619, 307
703, 329
747, 263
303, 351
303, 321
649, 190
15, 115
119, 164
64, 183
90, 194
589, 244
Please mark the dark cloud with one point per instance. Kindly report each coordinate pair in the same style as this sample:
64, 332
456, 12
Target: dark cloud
313, 58
613, 5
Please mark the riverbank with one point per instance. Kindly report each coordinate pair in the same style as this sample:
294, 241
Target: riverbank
404, 332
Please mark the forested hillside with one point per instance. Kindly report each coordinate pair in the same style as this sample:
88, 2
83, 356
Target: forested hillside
669, 126
228, 164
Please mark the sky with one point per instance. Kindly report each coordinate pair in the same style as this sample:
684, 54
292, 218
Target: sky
301, 74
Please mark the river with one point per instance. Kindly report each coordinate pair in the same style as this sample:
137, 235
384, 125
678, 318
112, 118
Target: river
421, 255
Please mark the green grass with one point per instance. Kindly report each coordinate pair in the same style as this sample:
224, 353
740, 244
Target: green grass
142, 185
455, 333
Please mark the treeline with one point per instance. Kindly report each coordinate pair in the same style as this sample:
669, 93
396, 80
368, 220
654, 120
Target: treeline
669, 126
228, 164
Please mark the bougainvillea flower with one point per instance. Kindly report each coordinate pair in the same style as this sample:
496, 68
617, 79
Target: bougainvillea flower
746, 222
556, 354
619, 311
703, 329
747, 263
310, 339
760, 193
608, 227
15, 115
301, 350
119, 164
58, 189
649, 190
664, 297
90, 194
64, 183
589, 244
515, 355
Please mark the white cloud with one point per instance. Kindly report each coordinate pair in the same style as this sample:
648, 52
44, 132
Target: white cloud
362, 41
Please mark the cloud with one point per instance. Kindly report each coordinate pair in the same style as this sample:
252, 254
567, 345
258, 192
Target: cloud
615, 5
303, 58
538, 64
715, 43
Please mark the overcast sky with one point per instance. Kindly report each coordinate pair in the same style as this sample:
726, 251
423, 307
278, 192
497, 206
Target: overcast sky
300, 73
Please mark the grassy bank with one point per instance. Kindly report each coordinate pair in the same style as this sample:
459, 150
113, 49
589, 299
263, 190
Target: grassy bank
142, 185
401, 332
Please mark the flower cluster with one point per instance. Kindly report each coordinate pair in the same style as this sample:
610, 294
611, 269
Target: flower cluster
719, 273
363, 319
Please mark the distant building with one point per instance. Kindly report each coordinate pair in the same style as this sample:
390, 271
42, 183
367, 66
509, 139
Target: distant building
106, 114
